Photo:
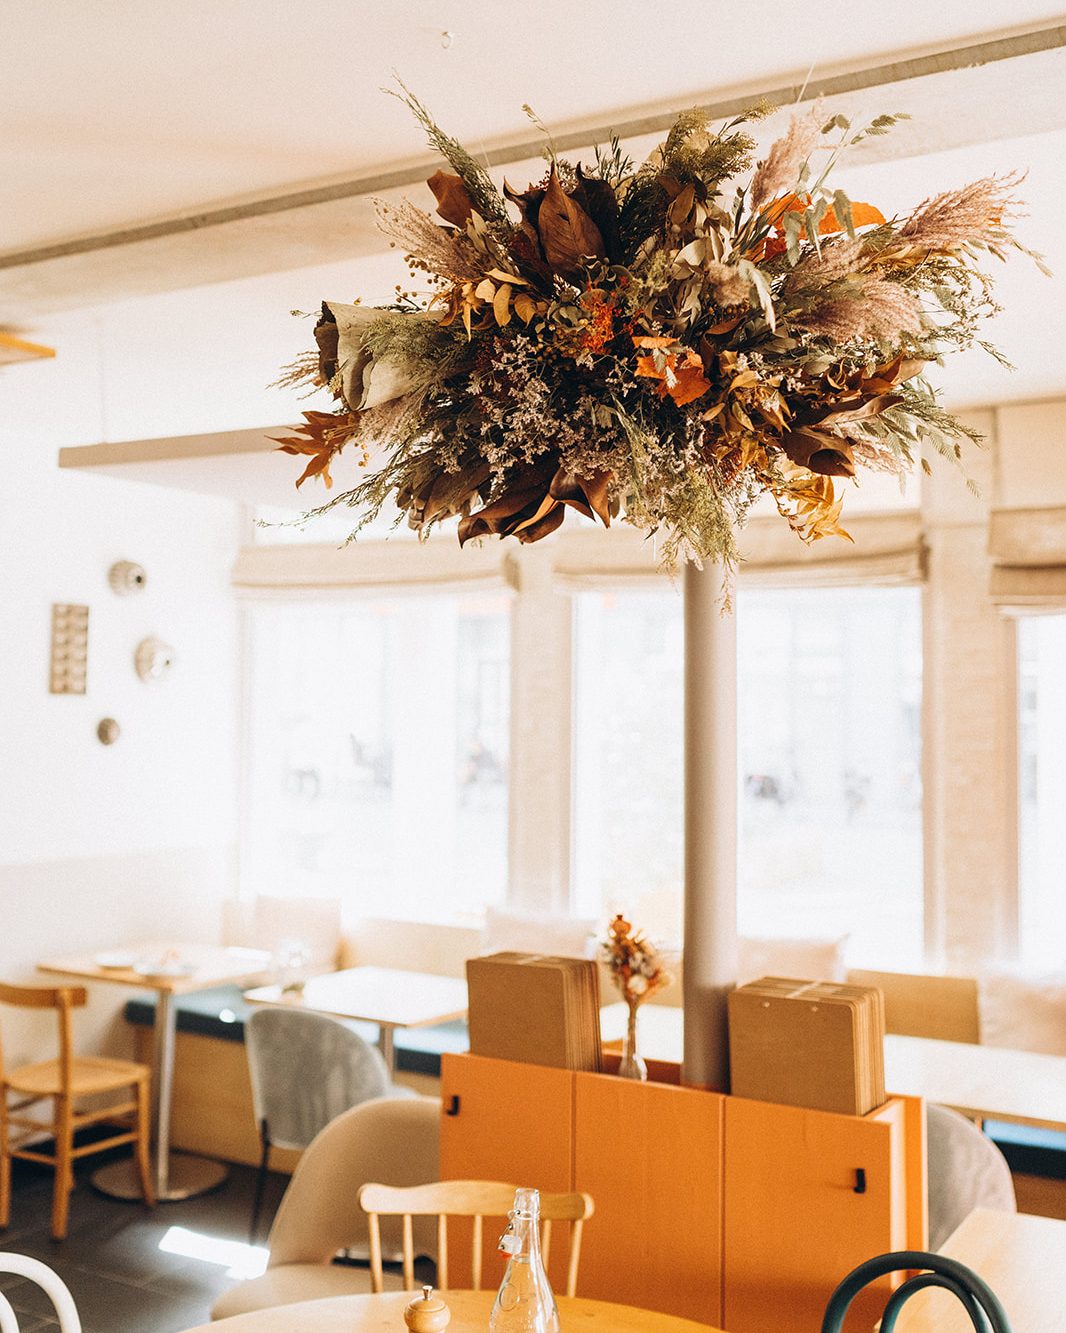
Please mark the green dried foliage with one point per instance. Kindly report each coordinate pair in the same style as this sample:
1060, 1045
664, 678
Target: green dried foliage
483, 193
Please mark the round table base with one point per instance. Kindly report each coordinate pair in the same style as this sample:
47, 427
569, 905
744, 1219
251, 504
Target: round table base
187, 1177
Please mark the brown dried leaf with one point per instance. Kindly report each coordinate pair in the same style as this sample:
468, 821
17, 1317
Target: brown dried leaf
453, 201
567, 234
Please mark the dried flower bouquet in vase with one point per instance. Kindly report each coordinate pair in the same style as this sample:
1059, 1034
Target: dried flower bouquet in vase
665, 342
636, 967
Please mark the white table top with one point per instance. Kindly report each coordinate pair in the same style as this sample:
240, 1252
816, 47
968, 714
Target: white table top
201, 966
984, 1082
470, 1314
1023, 1260
382, 995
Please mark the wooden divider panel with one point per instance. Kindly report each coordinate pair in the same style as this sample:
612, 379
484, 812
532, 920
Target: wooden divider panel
651, 1158
513, 1123
799, 1217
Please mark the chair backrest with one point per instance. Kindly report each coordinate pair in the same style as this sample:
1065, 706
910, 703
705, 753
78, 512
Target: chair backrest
934, 1270
926, 1006
23, 1266
393, 1139
465, 1198
61, 998
966, 1171
307, 1068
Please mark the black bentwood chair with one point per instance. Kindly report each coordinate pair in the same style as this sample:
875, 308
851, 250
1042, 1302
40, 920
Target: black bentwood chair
977, 1297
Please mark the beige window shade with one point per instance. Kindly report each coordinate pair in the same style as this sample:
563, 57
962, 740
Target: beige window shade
387, 567
1028, 550
888, 549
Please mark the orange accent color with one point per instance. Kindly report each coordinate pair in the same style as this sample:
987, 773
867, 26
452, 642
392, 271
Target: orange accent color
794, 1225
862, 215
515, 1124
650, 1157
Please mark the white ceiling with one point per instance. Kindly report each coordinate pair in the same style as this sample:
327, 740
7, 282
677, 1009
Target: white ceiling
118, 112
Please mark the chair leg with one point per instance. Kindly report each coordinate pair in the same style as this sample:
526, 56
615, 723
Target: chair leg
142, 1146
64, 1167
260, 1180
5, 1163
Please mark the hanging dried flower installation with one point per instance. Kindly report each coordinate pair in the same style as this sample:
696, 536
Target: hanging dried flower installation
667, 342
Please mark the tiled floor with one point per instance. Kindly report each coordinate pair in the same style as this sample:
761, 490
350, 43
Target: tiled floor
111, 1261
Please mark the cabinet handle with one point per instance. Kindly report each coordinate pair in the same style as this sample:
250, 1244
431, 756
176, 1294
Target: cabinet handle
860, 1180
453, 1106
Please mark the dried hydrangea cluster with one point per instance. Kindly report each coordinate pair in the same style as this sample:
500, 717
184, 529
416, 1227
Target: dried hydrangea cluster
660, 342
635, 965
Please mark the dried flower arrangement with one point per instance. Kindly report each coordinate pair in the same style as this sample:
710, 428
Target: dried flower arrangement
635, 965
658, 341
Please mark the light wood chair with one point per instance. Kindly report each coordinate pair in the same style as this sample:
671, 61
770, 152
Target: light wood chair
477, 1199
64, 1081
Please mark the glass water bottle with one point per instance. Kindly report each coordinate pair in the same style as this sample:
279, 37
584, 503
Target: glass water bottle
524, 1302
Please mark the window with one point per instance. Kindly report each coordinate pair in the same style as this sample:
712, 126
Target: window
378, 752
1042, 788
627, 847
829, 685
830, 756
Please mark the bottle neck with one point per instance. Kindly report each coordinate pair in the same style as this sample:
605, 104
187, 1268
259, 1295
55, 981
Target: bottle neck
524, 1235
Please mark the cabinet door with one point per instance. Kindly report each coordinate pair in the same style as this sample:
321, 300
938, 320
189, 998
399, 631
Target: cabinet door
514, 1122
795, 1221
650, 1157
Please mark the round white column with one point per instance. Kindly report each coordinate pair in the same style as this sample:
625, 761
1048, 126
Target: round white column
709, 959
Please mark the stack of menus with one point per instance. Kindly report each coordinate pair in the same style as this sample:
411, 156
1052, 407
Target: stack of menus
808, 1043
535, 1008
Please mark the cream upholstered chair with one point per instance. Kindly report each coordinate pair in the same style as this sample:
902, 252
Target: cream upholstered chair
64, 1081
395, 1139
20, 1265
306, 1069
465, 1198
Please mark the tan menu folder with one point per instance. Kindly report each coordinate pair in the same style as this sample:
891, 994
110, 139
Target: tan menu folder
804, 1043
535, 1008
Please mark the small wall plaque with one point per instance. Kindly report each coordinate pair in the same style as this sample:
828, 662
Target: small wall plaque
70, 648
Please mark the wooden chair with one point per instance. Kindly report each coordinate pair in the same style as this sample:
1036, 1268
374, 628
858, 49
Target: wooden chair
64, 1081
465, 1198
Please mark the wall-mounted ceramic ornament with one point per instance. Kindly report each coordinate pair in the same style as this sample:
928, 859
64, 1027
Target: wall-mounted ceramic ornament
126, 577
153, 659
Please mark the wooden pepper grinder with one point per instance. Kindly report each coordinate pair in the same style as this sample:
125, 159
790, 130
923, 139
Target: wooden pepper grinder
427, 1313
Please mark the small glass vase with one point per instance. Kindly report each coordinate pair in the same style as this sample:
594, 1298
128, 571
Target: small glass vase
632, 1066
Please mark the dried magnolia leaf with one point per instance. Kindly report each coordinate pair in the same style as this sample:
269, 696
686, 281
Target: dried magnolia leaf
453, 200
567, 234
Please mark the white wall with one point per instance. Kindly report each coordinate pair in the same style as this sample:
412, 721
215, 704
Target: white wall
103, 846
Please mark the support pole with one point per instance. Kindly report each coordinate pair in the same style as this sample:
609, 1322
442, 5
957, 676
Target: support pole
709, 959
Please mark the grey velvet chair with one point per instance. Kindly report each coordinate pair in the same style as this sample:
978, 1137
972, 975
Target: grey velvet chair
966, 1171
306, 1069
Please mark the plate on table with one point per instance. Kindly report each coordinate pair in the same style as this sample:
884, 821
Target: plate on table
117, 960
162, 969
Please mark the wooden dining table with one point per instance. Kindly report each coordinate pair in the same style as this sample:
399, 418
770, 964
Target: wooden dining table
1023, 1260
470, 1314
170, 969
388, 997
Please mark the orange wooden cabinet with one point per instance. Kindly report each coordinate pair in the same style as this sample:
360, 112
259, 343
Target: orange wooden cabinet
808, 1195
730, 1212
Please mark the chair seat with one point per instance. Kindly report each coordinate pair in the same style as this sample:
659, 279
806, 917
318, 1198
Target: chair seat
289, 1283
89, 1074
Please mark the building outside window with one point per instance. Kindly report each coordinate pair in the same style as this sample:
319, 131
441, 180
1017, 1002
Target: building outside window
377, 756
829, 795
1042, 789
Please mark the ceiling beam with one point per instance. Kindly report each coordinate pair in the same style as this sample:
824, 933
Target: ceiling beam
894, 72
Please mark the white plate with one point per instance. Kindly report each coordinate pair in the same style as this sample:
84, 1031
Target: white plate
160, 971
117, 959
